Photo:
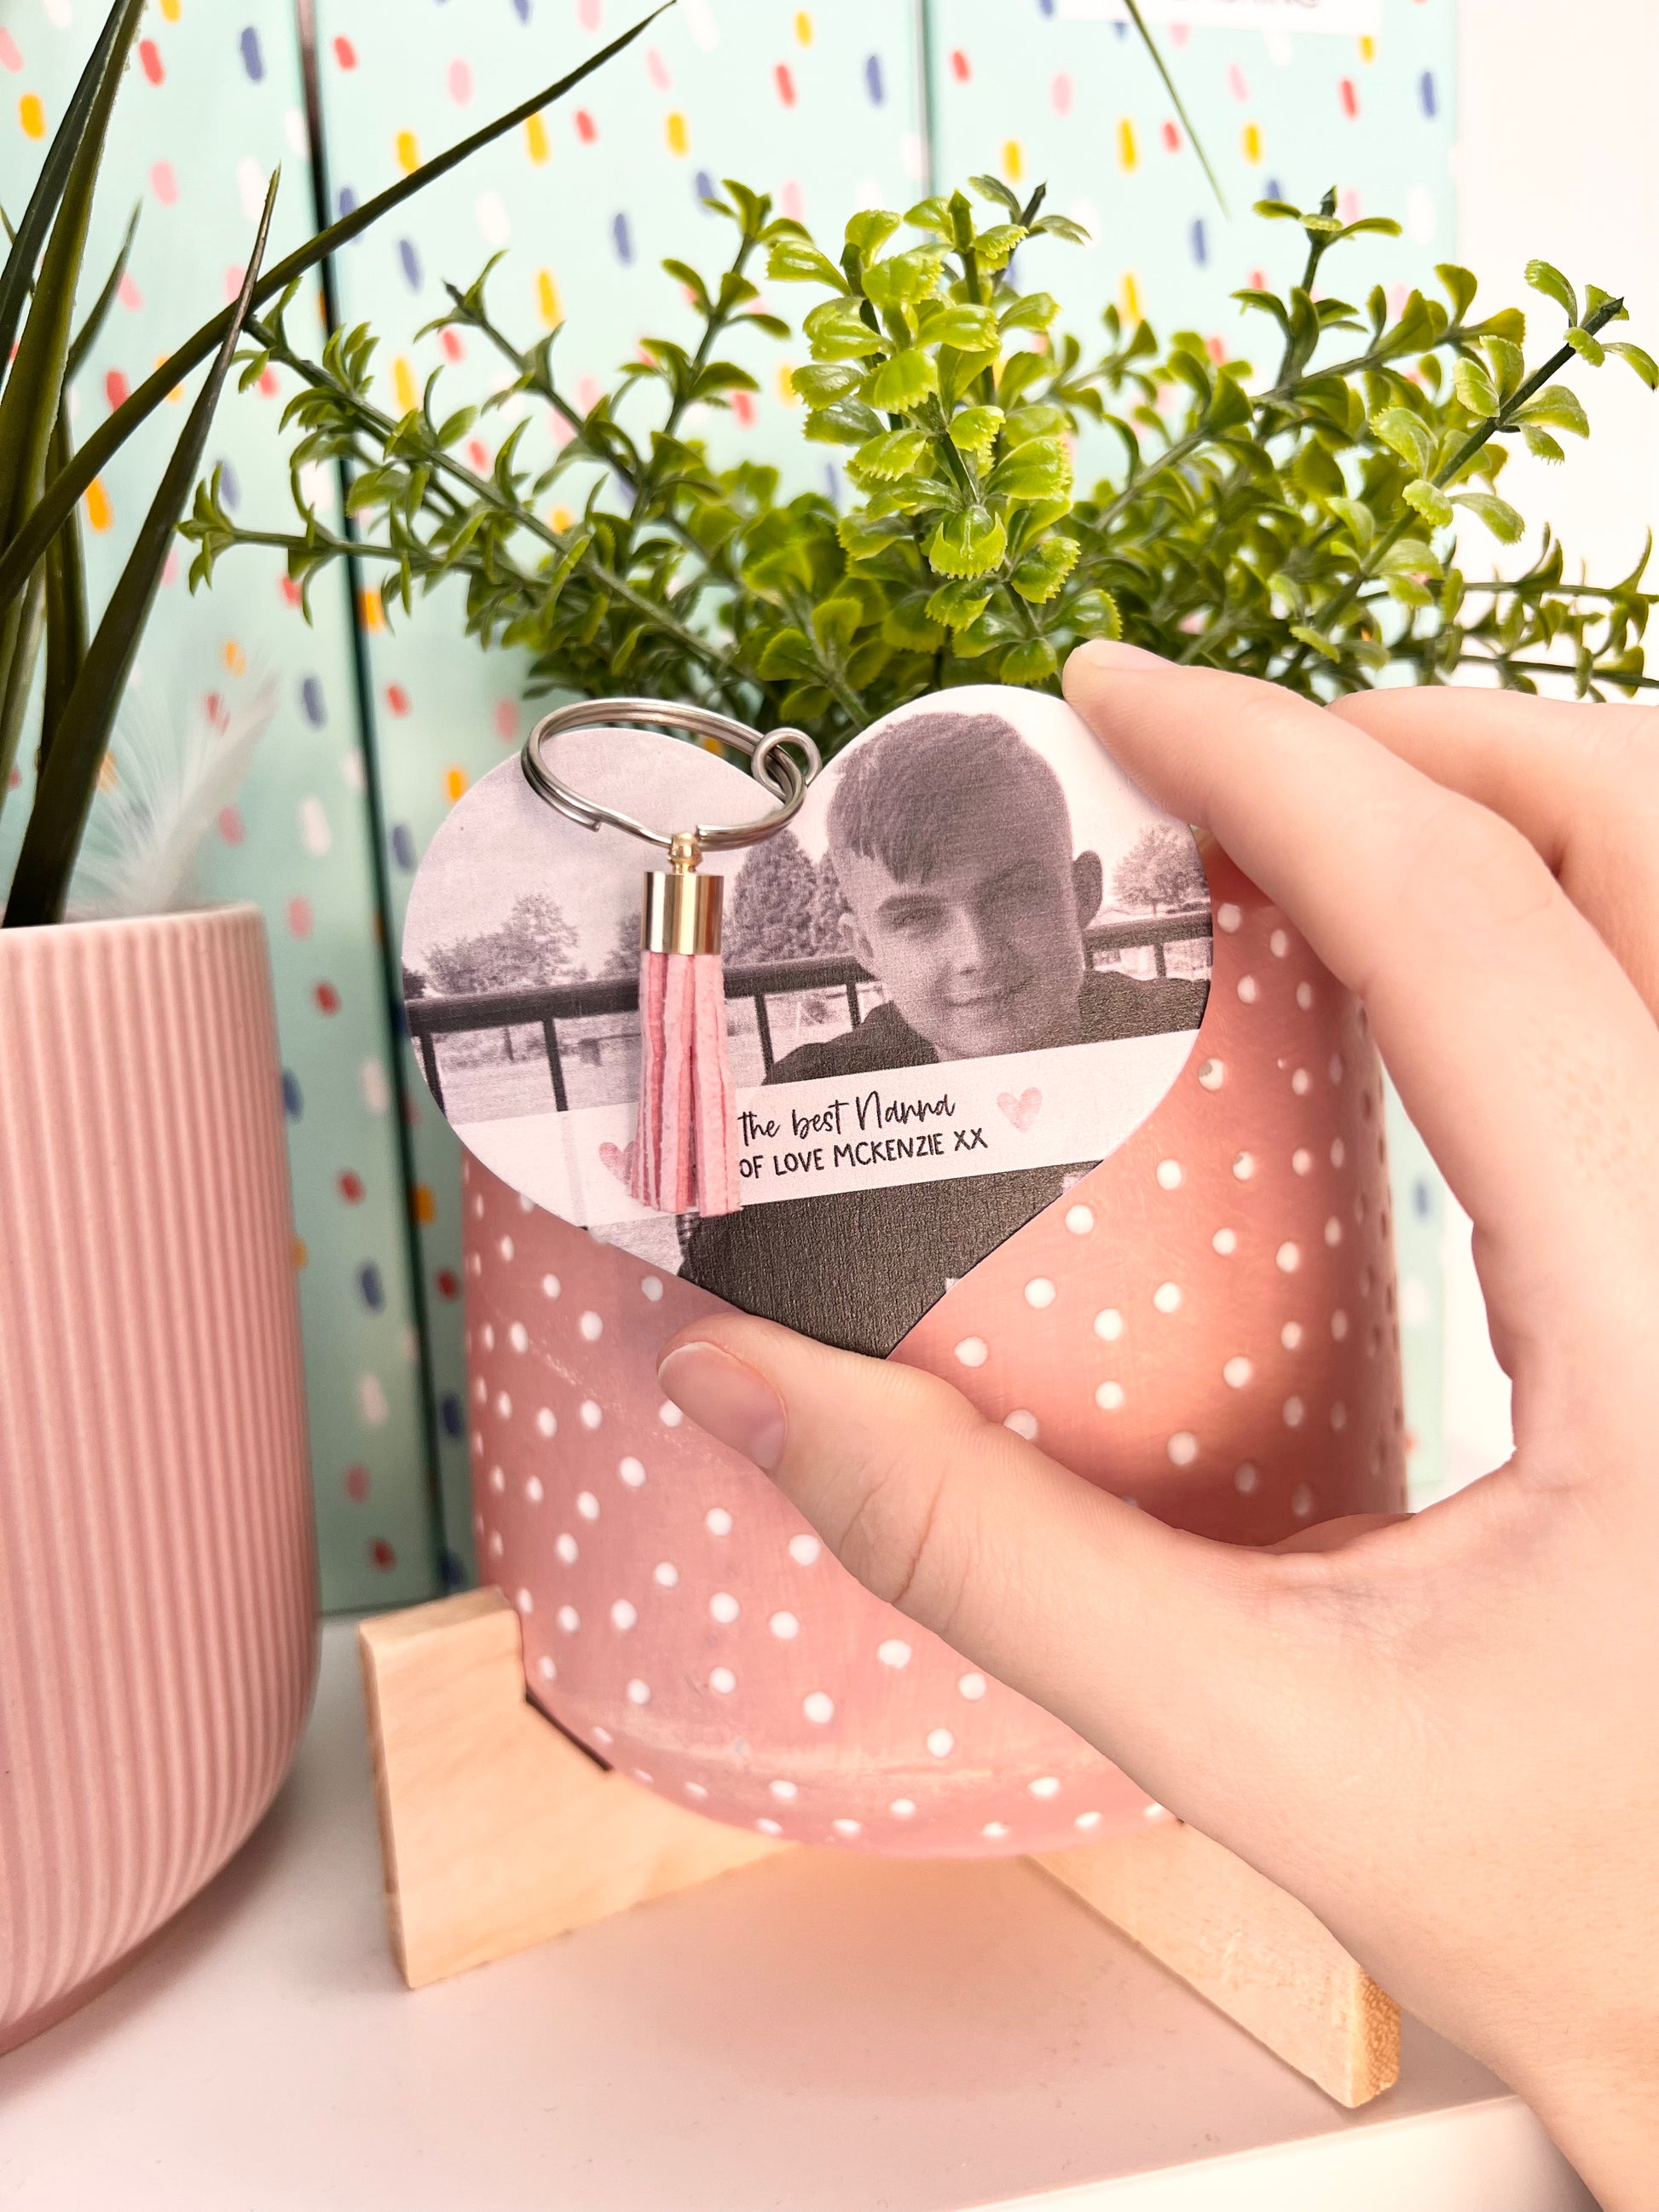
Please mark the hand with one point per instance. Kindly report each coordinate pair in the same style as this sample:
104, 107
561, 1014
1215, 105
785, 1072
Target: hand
1442, 1733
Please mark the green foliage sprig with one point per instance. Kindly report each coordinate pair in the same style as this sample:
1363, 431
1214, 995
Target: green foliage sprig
1297, 525
44, 475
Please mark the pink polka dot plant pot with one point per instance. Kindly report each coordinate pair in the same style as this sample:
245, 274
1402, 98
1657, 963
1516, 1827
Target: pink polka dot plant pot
1206, 1324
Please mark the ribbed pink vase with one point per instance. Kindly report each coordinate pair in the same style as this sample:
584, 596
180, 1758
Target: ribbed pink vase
157, 1558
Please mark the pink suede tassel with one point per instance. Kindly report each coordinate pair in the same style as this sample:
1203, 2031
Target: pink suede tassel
685, 1154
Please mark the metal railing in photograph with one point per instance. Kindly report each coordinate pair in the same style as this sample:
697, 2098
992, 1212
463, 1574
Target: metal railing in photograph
544, 1005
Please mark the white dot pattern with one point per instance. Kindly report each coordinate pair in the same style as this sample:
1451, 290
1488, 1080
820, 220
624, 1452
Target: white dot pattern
1286, 1420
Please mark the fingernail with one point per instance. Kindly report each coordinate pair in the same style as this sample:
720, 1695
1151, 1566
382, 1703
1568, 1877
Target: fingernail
727, 1398
1112, 653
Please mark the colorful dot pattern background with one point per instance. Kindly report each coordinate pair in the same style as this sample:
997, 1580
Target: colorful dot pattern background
212, 104
827, 108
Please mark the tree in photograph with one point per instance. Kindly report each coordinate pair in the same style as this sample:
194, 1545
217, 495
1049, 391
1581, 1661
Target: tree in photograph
770, 917
464, 966
829, 905
540, 944
623, 958
535, 945
1160, 870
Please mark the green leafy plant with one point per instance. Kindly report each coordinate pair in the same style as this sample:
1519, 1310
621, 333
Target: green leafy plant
43, 476
1295, 523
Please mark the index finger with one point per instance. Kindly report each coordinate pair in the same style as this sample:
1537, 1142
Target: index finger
1580, 783
1521, 1048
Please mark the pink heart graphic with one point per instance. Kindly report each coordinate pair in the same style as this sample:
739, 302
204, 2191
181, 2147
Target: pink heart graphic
618, 1162
1023, 1110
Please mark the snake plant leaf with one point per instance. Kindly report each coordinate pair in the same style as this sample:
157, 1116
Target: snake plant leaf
86, 337
1152, 46
31, 233
31, 402
66, 604
70, 774
19, 674
24, 546
28, 404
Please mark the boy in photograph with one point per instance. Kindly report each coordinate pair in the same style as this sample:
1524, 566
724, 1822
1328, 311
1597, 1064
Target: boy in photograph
951, 839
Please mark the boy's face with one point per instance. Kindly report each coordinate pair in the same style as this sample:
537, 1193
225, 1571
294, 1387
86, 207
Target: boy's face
985, 956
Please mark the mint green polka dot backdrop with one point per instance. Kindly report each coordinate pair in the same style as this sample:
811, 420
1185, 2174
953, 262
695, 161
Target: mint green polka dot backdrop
212, 103
828, 107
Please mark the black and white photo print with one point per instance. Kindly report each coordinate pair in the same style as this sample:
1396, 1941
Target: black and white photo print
987, 899
968, 970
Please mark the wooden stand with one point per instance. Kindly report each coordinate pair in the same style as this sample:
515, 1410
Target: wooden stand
498, 1832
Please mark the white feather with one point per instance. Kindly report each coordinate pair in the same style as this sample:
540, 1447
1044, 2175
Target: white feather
171, 780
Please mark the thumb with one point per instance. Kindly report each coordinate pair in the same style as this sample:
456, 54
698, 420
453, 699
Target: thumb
1152, 1644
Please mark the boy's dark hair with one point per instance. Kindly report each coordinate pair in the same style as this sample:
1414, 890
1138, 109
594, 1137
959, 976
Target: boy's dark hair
895, 799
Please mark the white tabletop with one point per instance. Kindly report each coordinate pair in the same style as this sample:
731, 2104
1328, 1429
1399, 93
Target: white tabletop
820, 2034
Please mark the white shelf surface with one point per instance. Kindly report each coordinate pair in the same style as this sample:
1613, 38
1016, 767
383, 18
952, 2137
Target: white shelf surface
821, 2034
